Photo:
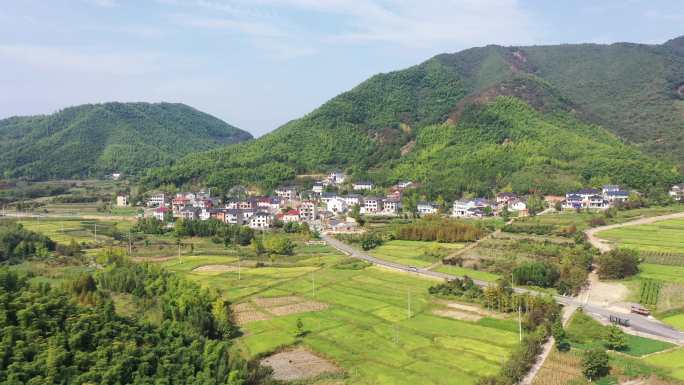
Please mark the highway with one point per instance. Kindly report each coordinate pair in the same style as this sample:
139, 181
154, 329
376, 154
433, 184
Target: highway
643, 325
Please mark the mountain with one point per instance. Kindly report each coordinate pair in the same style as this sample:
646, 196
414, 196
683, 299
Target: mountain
94, 139
547, 118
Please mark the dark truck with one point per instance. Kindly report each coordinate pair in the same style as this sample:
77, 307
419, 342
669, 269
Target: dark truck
619, 320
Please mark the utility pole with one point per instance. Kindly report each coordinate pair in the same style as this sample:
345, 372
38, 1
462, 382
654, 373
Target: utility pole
408, 309
520, 321
95, 233
313, 285
238, 266
179, 253
130, 246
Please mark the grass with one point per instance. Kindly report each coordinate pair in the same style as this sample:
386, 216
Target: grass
673, 361
676, 321
365, 329
414, 253
64, 230
664, 236
474, 274
584, 332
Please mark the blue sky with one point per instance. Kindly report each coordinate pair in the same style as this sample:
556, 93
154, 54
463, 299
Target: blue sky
259, 63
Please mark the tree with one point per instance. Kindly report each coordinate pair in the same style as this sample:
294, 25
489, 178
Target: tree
258, 245
595, 363
618, 264
535, 204
300, 328
615, 339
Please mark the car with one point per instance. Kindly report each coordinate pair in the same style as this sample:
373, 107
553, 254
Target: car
413, 268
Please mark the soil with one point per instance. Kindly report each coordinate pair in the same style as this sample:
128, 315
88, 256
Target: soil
298, 364
459, 315
277, 301
463, 312
302, 307
215, 269
608, 294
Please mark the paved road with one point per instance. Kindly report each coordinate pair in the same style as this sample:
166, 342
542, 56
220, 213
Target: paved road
641, 324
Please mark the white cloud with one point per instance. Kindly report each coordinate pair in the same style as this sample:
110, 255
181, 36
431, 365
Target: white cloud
246, 27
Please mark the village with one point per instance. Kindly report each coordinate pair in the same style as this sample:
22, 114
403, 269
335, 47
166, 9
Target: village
324, 208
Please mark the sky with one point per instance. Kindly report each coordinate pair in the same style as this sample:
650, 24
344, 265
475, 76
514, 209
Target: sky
259, 63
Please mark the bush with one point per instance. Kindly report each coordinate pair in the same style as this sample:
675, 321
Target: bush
595, 363
542, 274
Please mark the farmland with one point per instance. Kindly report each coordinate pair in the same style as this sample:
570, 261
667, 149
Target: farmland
362, 324
665, 236
673, 361
415, 253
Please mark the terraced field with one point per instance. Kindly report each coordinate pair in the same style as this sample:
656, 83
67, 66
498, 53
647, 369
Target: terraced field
665, 236
358, 317
672, 360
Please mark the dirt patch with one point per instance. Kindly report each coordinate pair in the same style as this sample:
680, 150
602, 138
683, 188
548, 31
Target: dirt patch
408, 147
298, 364
245, 317
459, 315
610, 294
302, 307
161, 258
215, 269
277, 301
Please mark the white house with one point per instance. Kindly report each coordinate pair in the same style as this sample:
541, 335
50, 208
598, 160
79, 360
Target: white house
405, 184
473, 208
505, 197
390, 207
337, 177
362, 185
260, 221
189, 213
122, 200
352, 199
318, 187
371, 205
337, 205
326, 197
517, 205
157, 200
287, 192
308, 211
427, 208
677, 192
291, 216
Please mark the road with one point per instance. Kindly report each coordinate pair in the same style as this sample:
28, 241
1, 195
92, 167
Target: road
643, 325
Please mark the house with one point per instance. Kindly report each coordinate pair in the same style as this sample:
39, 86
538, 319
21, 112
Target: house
161, 213
121, 200
505, 197
291, 216
337, 206
597, 202
573, 201
206, 214
395, 193
308, 211
371, 205
179, 202
286, 192
232, 216
352, 199
318, 187
336, 177
326, 197
260, 221
517, 205
338, 226
613, 197
405, 184
362, 185
189, 213
677, 192
115, 176
474, 208
585, 193
391, 206
248, 204
427, 208
157, 200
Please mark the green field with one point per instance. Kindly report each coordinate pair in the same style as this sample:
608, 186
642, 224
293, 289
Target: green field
664, 236
673, 274
64, 230
365, 328
672, 360
462, 271
414, 253
675, 320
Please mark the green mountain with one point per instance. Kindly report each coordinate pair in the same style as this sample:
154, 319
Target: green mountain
94, 139
545, 118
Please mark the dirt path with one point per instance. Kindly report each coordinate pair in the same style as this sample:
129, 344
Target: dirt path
605, 246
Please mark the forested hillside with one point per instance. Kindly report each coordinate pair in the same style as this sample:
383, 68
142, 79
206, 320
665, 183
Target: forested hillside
94, 139
571, 115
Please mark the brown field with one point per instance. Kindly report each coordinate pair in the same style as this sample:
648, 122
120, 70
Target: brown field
298, 364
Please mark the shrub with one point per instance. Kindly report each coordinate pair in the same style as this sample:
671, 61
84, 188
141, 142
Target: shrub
618, 264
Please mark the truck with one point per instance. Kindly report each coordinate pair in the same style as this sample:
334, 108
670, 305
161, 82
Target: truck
638, 309
619, 320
